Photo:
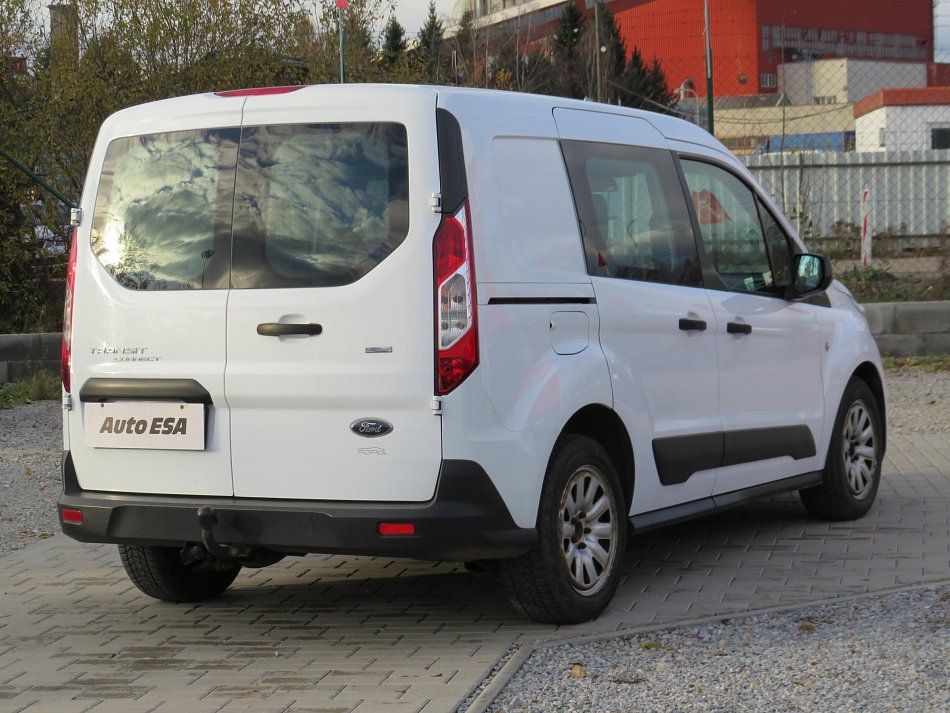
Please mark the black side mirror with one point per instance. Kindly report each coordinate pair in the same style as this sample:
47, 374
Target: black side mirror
810, 273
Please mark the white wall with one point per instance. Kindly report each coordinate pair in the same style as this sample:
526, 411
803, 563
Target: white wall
906, 128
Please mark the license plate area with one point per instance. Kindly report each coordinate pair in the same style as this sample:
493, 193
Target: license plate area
151, 425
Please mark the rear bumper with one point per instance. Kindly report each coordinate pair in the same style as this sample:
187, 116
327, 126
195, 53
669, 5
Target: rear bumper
466, 520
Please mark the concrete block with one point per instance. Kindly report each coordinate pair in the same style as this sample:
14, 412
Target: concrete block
900, 344
938, 343
880, 317
921, 317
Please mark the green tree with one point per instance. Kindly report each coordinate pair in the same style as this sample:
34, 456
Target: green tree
644, 87
604, 53
567, 65
429, 46
394, 43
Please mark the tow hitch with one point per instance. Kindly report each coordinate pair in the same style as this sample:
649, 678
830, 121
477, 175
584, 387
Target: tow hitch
207, 519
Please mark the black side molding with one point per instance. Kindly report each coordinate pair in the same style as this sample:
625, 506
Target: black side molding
678, 457
687, 511
103, 389
542, 301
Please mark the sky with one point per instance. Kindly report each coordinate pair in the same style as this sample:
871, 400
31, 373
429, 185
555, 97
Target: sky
411, 14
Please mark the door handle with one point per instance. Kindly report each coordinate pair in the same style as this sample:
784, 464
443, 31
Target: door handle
690, 325
738, 328
276, 329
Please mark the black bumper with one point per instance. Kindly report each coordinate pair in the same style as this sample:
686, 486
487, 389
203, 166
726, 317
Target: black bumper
466, 520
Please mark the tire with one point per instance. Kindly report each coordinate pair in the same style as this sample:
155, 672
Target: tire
561, 582
160, 572
853, 467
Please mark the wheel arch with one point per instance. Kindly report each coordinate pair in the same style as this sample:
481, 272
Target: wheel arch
603, 425
868, 373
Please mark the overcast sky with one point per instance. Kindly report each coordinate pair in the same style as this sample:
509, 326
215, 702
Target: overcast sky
411, 14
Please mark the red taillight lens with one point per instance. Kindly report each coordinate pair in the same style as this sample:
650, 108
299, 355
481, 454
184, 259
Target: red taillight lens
397, 528
68, 313
456, 310
72, 516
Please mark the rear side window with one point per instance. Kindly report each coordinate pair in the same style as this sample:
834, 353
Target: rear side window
633, 216
318, 205
163, 210
289, 205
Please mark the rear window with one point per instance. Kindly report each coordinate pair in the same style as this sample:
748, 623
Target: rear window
163, 211
318, 205
315, 205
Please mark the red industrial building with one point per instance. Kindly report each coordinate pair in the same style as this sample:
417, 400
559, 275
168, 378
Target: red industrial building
750, 38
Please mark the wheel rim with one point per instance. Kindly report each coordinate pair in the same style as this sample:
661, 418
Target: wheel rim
589, 530
860, 451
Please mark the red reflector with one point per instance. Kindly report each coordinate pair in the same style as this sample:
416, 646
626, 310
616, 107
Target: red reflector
73, 516
397, 528
258, 91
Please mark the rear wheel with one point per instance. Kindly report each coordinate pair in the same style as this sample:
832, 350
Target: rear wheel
582, 530
165, 573
853, 467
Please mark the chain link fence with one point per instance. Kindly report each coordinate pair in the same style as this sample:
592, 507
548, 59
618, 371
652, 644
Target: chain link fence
856, 150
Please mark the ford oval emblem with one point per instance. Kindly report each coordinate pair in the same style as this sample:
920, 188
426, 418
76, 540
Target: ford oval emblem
371, 427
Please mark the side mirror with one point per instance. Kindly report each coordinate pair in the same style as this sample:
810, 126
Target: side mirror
810, 273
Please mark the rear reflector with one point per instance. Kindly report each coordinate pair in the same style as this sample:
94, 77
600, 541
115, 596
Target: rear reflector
259, 91
397, 528
73, 516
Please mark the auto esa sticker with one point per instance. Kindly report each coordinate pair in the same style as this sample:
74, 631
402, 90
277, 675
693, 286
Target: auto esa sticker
157, 425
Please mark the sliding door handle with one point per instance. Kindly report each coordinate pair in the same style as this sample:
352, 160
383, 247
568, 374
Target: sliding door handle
738, 328
692, 325
276, 329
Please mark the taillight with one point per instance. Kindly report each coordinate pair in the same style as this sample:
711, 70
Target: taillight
68, 313
456, 312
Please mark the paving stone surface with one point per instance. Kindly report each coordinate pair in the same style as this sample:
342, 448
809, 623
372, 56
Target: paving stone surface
321, 634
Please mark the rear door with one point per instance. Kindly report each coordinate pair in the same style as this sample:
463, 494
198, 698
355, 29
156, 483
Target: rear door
330, 325
150, 301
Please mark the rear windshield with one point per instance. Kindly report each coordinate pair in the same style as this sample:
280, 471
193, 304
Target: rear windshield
315, 205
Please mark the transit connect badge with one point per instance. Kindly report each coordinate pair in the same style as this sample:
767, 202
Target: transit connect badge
371, 427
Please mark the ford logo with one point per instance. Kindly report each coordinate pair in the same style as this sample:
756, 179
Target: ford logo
371, 427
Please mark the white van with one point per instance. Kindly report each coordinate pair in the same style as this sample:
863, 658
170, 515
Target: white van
447, 324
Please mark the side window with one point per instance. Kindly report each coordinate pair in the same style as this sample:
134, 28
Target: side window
633, 218
737, 245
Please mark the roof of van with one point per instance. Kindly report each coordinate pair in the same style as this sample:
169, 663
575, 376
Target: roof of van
491, 102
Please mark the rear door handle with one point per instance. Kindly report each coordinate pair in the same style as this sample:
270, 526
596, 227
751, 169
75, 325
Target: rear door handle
276, 329
738, 328
690, 325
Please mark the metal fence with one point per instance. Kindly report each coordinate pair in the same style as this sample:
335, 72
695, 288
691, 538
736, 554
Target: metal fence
899, 199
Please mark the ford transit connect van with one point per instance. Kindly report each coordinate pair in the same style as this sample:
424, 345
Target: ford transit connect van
442, 323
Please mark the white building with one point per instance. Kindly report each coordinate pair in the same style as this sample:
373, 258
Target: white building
903, 119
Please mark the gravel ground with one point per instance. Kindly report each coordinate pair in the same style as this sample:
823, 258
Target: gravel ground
31, 446
889, 653
880, 654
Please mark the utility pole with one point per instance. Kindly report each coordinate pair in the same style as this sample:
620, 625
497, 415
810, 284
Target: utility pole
709, 74
600, 93
340, 7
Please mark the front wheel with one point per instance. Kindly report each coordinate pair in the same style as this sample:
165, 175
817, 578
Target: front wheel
582, 530
165, 573
853, 468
